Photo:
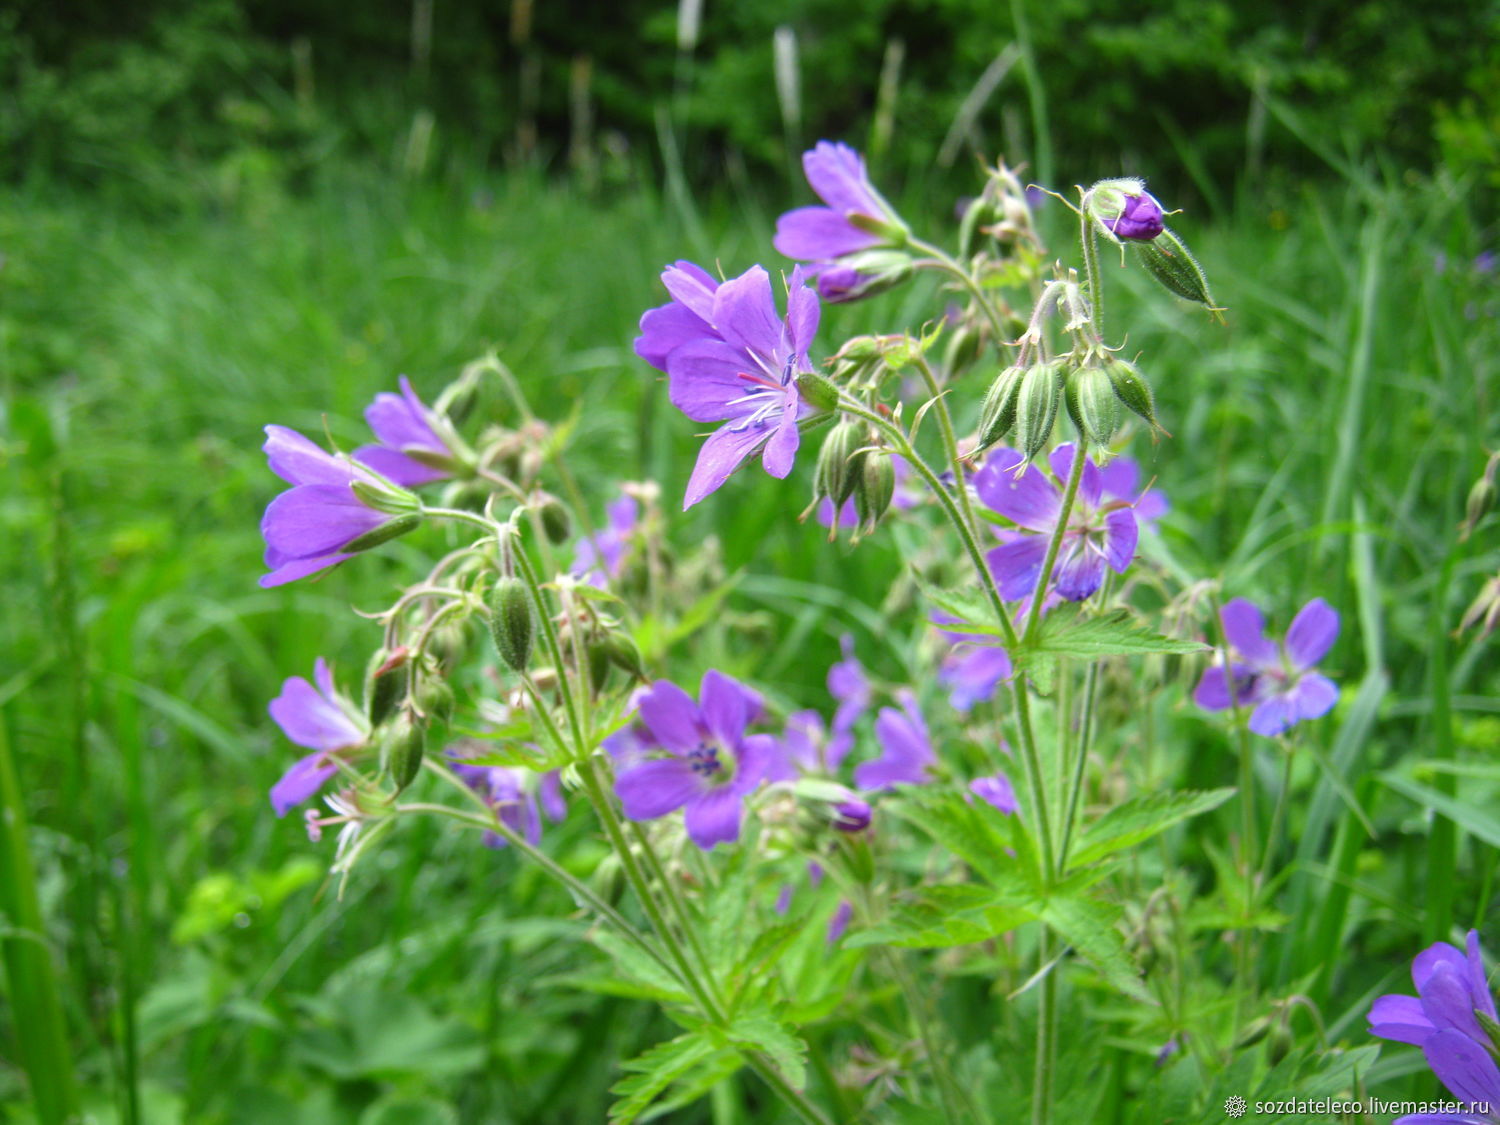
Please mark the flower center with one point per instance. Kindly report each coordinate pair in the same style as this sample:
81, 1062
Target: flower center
705, 760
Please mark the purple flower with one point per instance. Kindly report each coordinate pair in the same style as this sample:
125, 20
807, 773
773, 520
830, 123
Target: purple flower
410, 452
319, 719
997, 791
807, 748
853, 815
975, 666
730, 358
322, 519
1442, 1019
1122, 479
906, 749
840, 921
822, 235
1277, 680
1140, 219
1124, 210
504, 789
599, 557
1098, 534
711, 763
848, 683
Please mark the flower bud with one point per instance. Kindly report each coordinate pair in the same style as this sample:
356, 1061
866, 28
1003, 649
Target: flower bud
599, 666
819, 391
436, 700
964, 347
837, 467
874, 488
1093, 404
625, 654
998, 414
1038, 398
1175, 269
863, 275
385, 680
1123, 210
556, 522
512, 622
387, 531
981, 214
860, 353
402, 746
852, 816
1132, 389
1481, 498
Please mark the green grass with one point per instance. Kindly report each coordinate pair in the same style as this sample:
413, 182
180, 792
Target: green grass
1323, 445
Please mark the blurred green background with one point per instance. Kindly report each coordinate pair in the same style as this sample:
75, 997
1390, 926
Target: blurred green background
218, 215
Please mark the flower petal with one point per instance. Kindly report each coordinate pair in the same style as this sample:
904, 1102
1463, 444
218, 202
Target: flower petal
725, 706
714, 818
973, 676
1030, 500
693, 287
1120, 478
819, 234
672, 717
1090, 488
657, 787
1272, 716
1079, 570
1312, 697
666, 328
704, 380
399, 420
310, 720
316, 519
1017, 565
745, 312
305, 777
405, 471
1245, 629
781, 450
283, 572
723, 452
997, 791
1463, 1066
754, 759
803, 312
1400, 1019
297, 460
1212, 692
1312, 634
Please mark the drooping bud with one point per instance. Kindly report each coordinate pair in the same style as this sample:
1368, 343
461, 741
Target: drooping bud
837, 466
964, 347
599, 666
863, 275
998, 414
1481, 498
556, 522
874, 488
512, 622
1123, 210
436, 700
852, 816
625, 654
1175, 269
391, 529
819, 391
1038, 399
402, 746
385, 680
860, 353
1132, 389
980, 215
1093, 404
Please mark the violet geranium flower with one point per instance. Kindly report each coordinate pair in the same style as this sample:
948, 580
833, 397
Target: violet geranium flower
848, 241
321, 720
906, 749
974, 668
711, 763
416, 445
850, 685
730, 358
334, 509
1124, 210
1122, 480
1099, 533
598, 557
1277, 680
1443, 1019
997, 791
512, 797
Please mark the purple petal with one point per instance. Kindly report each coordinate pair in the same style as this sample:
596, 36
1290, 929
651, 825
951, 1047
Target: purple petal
837, 173
1273, 716
657, 787
305, 777
802, 312
973, 676
801, 742
723, 453
1463, 1066
1017, 565
997, 791
282, 573
1120, 537
311, 720
551, 791
755, 757
1447, 1001
906, 754
725, 707
1312, 634
1090, 487
1079, 570
1120, 478
400, 420
704, 380
745, 312
1030, 500
391, 463
666, 328
693, 287
714, 818
323, 678
839, 922
316, 519
297, 460
1212, 692
1312, 697
672, 716
1400, 1019
1245, 629
1151, 507
781, 450
1430, 959
819, 234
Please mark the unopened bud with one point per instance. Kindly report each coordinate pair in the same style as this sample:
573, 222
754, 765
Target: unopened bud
556, 522
852, 816
625, 654
401, 748
512, 622
387, 531
863, 275
1175, 268
819, 391
1124, 210
998, 414
860, 352
1132, 389
599, 666
385, 679
436, 700
1037, 401
1481, 498
964, 347
1093, 404
874, 488
837, 466
972, 229
457, 400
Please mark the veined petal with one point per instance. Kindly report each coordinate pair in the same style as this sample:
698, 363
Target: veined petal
1121, 534
704, 380
666, 328
803, 312
723, 452
397, 466
837, 173
781, 450
725, 706
289, 570
1079, 570
1462, 1065
1030, 500
819, 234
305, 777
1017, 565
297, 460
693, 287
311, 720
1312, 634
401, 419
713, 817
745, 313
316, 519
657, 787
672, 717
1245, 629
1400, 1019
1120, 478
1090, 485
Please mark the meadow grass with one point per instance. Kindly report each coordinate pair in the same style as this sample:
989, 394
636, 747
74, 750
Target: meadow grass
1322, 445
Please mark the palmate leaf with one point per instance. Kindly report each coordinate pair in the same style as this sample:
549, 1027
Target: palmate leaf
761, 1031
945, 917
1091, 927
1068, 632
1141, 818
972, 608
655, 1070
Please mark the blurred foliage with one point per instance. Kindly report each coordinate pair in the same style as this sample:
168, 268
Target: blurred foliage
171, 93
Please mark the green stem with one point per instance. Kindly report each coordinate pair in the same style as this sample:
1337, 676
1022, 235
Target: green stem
1088, 239
1046, 1037
951, 266
554, 649
1054, 545
1080, 764
678, 906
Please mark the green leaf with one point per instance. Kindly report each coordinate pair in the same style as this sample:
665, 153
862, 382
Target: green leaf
652, 1072
763, 1032
1092, 928
948, 916
1068, 632
968, 604
1471, 818
977, 833
1141, 818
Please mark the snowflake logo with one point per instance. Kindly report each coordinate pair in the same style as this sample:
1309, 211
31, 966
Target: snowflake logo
1235, 1106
